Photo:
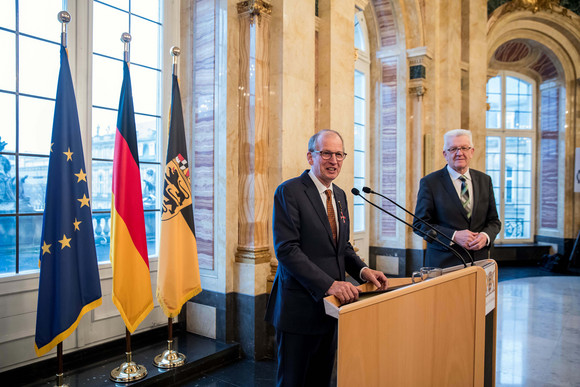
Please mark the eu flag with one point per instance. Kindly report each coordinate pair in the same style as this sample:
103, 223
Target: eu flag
69, 278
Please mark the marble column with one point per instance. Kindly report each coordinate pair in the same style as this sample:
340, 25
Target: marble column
253, 223
292, 92
419, 154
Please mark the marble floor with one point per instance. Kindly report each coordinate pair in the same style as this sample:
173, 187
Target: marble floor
538, 338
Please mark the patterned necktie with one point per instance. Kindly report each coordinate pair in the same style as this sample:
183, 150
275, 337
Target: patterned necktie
465, 195
330, 213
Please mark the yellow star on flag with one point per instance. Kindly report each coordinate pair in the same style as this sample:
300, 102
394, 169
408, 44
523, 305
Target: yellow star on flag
68, 155
84, 201
45, 248
65, 242
51, 144
81, 175
76, 223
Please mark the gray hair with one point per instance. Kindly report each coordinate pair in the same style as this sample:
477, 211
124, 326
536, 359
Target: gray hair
314, 139
456, 133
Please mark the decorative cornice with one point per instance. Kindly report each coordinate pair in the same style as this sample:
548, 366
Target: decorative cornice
419, 56
254, 8
536, 6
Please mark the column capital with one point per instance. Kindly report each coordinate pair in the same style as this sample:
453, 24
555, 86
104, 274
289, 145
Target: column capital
253, 8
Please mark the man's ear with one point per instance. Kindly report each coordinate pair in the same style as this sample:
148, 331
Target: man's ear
309, 158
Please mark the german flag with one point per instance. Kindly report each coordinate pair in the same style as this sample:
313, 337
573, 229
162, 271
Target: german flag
178, 276
132, 293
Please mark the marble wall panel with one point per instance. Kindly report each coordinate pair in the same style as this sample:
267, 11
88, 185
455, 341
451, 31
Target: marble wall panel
203, 144
388, 150
386, 22
549, 150
545, 67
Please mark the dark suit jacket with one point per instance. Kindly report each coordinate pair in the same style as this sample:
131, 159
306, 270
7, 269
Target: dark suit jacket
439, 205
308, 259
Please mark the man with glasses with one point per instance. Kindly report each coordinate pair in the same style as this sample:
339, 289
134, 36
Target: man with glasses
459, 202
311, 239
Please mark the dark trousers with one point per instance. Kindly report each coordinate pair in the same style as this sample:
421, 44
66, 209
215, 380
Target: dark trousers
305, 360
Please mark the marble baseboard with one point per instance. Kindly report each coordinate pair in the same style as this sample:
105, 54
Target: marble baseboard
236, 318
565, 245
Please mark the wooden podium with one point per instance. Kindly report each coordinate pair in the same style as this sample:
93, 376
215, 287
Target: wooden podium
431, 333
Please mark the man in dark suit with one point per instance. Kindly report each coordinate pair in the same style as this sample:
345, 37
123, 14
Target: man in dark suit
311, 239
459, 202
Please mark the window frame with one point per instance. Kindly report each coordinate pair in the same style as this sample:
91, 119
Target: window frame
362, 65
79, 44
503, 133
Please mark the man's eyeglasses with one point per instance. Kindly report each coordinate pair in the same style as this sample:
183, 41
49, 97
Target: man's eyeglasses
328, 155
461, 148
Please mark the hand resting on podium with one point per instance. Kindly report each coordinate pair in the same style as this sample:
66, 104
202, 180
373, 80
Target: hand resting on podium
346, 292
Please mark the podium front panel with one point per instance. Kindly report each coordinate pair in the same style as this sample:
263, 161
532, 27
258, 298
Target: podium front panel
427, 334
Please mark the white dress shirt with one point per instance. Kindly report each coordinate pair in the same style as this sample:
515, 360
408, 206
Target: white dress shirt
454, 175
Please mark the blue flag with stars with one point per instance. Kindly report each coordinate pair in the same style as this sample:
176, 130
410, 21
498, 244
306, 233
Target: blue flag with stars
69, 278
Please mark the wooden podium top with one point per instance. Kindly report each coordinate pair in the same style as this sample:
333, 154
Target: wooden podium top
333, 307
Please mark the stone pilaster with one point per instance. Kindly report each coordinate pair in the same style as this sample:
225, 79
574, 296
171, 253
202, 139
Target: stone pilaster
419, 154
253, 223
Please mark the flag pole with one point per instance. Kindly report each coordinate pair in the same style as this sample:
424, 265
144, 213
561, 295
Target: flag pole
64, 19
170, 358
129, 371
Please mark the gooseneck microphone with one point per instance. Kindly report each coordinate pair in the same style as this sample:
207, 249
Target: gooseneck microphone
431, 235
432, 228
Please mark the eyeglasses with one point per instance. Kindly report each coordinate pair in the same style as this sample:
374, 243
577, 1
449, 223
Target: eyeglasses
461, 148
328, 155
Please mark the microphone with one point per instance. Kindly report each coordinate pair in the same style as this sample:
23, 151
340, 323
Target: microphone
432, 230
431, 235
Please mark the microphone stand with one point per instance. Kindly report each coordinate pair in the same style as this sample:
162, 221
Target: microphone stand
431, 235
437, 232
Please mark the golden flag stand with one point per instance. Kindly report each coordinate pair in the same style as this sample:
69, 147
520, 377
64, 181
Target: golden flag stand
170, 358
59, 373
129, 371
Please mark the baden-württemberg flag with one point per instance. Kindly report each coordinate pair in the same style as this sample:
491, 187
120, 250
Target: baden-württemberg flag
178, 275
69, 278
132, 293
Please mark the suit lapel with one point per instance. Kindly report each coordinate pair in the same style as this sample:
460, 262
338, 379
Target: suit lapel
314, 197
450, 188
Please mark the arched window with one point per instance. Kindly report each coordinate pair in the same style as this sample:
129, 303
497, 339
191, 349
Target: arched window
510, 152
361, 109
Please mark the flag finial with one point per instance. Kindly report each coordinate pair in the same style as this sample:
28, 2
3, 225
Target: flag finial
126, 39
175, 52
64, 18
